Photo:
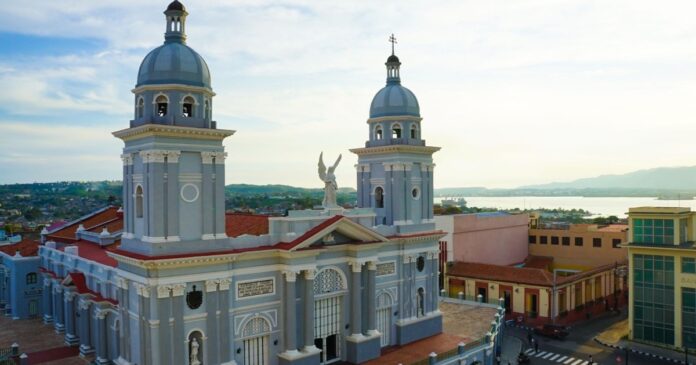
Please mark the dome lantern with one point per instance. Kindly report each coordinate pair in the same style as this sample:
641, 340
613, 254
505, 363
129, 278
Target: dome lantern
394, 99
176, 23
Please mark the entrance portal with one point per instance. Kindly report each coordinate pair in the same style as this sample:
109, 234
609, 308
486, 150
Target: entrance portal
329, 349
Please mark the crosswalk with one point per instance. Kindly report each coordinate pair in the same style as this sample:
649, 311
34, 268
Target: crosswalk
558, 358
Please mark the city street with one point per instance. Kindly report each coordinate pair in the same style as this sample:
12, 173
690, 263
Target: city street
578, 346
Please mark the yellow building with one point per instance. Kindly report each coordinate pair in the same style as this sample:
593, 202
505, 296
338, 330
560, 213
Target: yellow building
662, 276
578, 246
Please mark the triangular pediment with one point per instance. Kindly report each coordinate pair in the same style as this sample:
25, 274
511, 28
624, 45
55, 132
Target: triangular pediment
342, 231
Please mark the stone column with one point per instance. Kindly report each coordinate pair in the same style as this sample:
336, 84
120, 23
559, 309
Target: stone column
47, 301
371, 300
59, 314
69, 310
85, 328
224, 298
356, 300
309, 310
102, 355
434, 305
290, 313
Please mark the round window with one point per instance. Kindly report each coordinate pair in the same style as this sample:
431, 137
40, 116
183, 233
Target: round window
189, 193
194, 298
415, 193
420, 264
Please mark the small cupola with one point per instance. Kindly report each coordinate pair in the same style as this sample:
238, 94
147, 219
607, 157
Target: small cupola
176, 23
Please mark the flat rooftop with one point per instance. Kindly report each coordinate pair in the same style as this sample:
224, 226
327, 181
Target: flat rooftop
660, 210
460, 323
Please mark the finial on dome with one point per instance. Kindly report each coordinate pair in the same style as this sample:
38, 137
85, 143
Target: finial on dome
176, 22
393, 64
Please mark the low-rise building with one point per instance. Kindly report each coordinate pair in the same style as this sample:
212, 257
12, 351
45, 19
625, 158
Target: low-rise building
533, 292
495, 238
579, 246
662, 276
20, 288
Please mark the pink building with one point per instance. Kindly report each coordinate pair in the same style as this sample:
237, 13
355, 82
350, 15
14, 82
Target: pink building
496, 238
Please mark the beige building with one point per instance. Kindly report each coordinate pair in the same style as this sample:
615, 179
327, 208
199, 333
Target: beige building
579, 246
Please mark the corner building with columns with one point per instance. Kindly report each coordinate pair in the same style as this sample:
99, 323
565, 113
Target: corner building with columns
171, 278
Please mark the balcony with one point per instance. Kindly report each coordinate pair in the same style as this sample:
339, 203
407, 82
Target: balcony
395, 141
181, 121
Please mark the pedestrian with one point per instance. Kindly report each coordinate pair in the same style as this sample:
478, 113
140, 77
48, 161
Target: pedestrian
591, 362
529, 337
536, 345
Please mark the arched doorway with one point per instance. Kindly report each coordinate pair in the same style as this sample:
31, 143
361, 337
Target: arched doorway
255, 337
329, 287
384, 317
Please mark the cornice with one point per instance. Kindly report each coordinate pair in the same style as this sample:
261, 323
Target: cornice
390, 118
423, 150
150, 130
169, 87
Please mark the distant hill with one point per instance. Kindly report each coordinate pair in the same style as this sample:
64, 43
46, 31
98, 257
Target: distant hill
248, 189
661, 178
663, 182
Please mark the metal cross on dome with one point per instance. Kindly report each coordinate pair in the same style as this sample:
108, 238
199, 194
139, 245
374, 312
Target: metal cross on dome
392, 40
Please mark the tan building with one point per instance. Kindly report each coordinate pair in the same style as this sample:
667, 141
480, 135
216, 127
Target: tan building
532, 294
579, 246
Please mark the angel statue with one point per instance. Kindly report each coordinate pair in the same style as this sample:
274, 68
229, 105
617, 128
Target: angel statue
329, 180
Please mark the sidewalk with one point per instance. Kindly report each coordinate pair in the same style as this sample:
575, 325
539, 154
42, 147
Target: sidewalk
615, 337
512, 346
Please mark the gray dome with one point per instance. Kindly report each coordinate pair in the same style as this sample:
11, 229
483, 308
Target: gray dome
174, 63
392, 100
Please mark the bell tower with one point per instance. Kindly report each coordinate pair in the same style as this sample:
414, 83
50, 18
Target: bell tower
173, 159
395, 168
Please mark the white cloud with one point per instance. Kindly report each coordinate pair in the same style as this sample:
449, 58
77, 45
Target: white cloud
515, 92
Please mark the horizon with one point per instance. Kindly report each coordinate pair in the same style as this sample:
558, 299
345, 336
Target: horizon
501, 86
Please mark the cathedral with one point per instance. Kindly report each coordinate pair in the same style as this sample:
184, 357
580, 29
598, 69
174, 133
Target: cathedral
171, 278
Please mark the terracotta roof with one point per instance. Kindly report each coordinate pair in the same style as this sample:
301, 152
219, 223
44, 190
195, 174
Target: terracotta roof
538, 262
26, 248
509, 274
94, 252
521, 275
237, 224
78, 279
90, 222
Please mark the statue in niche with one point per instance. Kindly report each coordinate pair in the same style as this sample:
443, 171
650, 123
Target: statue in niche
329, 179
194, 352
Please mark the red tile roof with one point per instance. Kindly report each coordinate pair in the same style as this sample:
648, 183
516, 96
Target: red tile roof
25, 247
509, 274
94, 252
98, 219
538, 262
78, 279
237, 224
521, 275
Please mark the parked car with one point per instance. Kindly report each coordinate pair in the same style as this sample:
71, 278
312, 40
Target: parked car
552, 330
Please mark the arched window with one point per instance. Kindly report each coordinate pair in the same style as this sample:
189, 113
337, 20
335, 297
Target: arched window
256, 337
139, 201
379, 197
187, 107
378, 133
420, 298
162, 105
396, 131
207, 110
195, 347
140, 108
414, 131
32, 278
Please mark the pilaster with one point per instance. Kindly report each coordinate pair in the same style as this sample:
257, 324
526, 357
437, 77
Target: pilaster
290, 315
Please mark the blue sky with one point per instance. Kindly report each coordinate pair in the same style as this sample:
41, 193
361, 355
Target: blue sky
515, 92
